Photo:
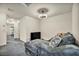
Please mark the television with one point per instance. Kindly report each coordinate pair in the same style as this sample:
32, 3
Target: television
35, 35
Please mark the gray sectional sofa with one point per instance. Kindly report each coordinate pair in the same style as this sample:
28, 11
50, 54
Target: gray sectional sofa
57, 46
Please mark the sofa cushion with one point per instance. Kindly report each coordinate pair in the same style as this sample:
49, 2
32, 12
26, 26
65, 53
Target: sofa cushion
67, 39
55, 41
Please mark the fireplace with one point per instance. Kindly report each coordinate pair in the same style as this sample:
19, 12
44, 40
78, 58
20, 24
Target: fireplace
35, 35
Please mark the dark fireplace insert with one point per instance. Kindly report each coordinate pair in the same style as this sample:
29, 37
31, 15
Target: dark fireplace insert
35, 35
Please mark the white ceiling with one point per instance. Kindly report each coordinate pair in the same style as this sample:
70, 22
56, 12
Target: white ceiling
18, 10
54, 9
14, 10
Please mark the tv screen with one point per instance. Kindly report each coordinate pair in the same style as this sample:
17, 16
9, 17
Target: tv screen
35, 35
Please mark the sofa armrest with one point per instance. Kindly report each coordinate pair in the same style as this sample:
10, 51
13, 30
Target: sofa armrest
77, 42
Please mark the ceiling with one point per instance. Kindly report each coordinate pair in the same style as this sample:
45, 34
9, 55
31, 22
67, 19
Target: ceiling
14, 10
53, 9
18, 10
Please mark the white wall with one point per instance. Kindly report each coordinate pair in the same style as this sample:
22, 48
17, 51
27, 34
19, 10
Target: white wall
48, 27
56, 24
75, 21
28, 25
3, 33
16, 29
9, 29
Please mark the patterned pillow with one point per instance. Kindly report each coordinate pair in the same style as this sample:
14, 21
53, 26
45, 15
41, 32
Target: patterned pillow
55, 41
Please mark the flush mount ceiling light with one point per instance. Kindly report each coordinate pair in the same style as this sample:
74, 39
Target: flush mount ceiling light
42, 13
28, 4
42, 10
10, 9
